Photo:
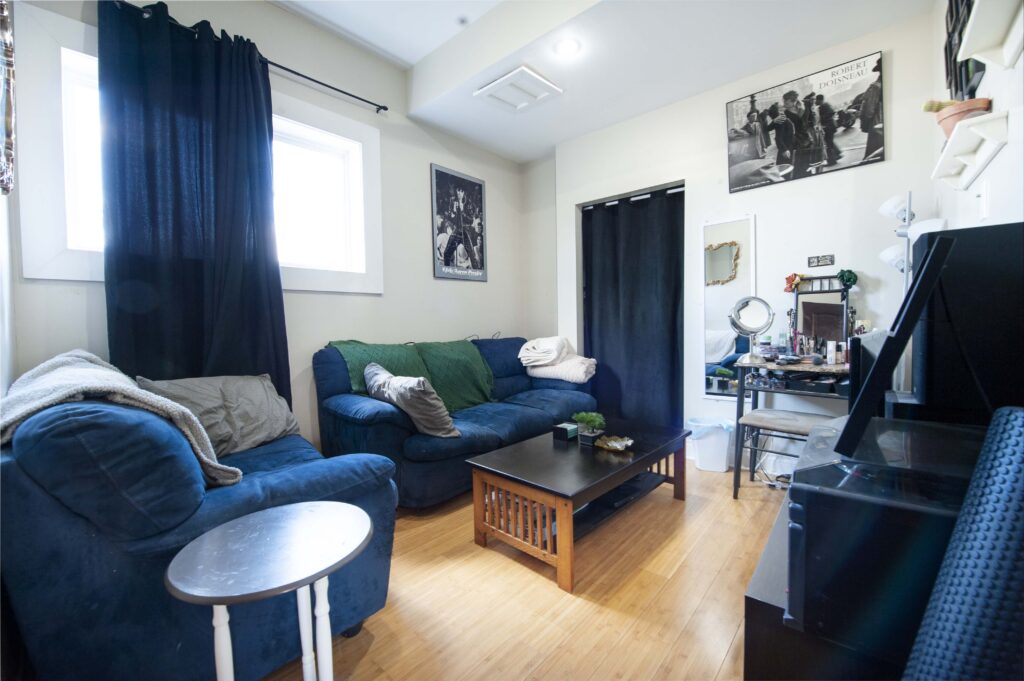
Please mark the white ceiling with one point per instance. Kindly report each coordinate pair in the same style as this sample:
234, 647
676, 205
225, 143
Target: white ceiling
404, 31
637, 55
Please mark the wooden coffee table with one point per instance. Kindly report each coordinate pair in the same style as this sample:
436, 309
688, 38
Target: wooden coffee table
541, 495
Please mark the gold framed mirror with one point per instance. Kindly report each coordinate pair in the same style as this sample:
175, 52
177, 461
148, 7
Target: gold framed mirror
721, 263
729, 275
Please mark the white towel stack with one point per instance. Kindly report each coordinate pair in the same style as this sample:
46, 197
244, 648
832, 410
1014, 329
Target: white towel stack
556, 358
545, 351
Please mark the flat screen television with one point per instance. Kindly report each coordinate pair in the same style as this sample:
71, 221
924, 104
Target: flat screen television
876, 382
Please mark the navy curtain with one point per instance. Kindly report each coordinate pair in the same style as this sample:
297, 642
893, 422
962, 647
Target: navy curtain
193, 286
633, 307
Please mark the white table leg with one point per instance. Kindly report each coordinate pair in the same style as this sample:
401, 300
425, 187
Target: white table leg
306, 634
324, 657
222, 644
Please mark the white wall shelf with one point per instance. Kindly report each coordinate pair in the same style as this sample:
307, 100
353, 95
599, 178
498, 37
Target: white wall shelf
994, 33
971, 147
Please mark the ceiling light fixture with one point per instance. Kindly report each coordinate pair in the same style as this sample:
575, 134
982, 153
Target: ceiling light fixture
567, 47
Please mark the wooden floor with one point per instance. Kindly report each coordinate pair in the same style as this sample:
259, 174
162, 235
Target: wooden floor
659, 595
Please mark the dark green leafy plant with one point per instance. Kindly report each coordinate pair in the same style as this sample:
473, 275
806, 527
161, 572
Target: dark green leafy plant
847, 278
589, 421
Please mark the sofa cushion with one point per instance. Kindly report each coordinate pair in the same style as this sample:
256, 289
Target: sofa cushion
399, 359
458, 373
510, 385
342, 478
237, 412
415, 396
130, 472
559, 405
474, 439
512, 422
366, 411
290, 450
330, 373
502, 355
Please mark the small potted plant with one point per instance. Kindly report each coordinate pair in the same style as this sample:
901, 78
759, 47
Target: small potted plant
591, 426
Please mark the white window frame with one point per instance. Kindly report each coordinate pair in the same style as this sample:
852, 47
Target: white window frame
372, 280
39, 184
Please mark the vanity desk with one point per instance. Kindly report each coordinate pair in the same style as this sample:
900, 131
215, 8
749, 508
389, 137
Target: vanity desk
744, 369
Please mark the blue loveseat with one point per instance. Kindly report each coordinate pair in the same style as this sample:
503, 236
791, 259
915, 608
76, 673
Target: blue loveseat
429, 469
97, 499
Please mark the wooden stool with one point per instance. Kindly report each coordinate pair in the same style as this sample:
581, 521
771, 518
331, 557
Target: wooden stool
787, 425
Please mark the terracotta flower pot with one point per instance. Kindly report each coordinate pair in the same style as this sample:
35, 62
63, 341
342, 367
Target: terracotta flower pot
951, 115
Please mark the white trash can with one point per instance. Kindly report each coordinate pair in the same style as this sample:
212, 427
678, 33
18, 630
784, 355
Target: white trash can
710, 443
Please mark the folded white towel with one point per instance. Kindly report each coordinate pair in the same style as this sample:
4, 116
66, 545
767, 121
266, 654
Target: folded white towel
545, 351
574, 369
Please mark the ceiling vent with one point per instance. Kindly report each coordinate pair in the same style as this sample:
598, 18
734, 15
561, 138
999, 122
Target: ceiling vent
519, 90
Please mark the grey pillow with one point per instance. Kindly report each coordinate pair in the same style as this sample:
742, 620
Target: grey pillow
238, 412
413, 395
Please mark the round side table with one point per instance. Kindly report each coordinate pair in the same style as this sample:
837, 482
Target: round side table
265, 554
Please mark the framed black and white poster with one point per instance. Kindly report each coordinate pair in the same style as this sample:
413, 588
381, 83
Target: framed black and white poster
827, 121
459, 226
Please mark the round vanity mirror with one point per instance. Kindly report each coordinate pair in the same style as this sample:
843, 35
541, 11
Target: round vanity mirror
751, 316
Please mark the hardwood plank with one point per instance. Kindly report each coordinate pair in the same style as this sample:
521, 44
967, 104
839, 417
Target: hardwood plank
658, 595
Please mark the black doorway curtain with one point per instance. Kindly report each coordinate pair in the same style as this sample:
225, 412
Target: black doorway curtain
193, 285
633, 307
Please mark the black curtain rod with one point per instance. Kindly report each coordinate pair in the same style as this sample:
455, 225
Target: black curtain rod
379, 107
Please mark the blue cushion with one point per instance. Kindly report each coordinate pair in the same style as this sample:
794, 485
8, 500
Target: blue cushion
558, 384
330, 373
474, 439
283, 452
559, 405
366, 411
502, 355
510, 385
129, 471
342, 478
512, 422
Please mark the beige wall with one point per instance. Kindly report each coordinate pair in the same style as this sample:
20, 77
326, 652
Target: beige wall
57, 316
538, 237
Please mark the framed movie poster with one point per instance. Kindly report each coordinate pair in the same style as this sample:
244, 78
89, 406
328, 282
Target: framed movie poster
827, 121
458, 225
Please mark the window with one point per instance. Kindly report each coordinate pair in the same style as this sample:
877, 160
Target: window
83, 179
59, 187
318, 199
327, 194
327, 199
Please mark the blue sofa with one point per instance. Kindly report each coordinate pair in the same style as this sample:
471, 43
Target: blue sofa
96, 500
429, 469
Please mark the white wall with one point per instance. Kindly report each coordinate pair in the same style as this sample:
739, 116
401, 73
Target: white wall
835, 213
57, 316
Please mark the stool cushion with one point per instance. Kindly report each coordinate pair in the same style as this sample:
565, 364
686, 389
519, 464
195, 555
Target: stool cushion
782, 421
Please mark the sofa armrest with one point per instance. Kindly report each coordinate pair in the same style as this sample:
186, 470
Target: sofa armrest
361, 479
557, 384
365, 411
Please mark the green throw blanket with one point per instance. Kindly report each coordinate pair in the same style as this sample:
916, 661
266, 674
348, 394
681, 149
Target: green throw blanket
458, 373
400, 360
456, 369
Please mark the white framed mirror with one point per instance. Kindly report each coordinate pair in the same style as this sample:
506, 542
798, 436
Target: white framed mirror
729, 275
